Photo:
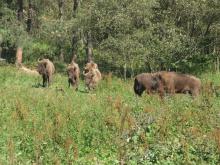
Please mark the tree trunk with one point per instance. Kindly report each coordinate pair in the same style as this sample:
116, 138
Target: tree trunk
30, 16
1, 40
75, 7
0, 52
61, 7
89, 47
74, 45
20, 10
19, 50
19, 57
125, 67
75, 35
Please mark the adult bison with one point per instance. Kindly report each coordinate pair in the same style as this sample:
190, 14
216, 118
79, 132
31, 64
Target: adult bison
92, 75
46, 69
148, 82
73, 73
179, 83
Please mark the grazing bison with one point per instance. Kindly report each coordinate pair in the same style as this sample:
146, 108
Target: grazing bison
92, 75
46, 69
73, 73
148, 82
180, 83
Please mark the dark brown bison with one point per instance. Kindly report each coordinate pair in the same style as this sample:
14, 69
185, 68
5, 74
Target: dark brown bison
92, 75
180, 83
46, 69
73, 73
148, 82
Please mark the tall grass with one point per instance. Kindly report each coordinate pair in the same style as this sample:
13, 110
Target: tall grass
110, 125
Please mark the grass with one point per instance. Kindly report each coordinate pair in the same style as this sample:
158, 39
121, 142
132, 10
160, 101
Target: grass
110, 125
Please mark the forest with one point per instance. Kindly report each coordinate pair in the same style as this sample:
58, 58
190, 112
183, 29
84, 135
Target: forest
124, 36
104, 121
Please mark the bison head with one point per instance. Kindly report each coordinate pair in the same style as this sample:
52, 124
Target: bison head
41, 68
90, 66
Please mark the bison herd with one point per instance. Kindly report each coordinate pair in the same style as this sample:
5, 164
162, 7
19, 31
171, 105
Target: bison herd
91, 73
159, 82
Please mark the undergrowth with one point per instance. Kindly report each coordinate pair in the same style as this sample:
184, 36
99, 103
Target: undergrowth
110, 125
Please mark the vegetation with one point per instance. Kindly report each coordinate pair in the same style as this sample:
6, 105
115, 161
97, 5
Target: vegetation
126, 36
110, 125
57, 125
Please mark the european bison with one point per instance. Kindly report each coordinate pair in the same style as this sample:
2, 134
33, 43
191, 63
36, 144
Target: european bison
46, 69
73, 73
92, 75
148, 82
180, 83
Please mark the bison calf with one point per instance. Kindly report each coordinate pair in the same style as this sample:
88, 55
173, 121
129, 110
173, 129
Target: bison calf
73, 73
46, 69
92, 75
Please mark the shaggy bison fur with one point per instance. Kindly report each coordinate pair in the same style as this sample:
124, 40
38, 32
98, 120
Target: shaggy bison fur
180, 83
148, 82
73, 73
92, 75
46, 69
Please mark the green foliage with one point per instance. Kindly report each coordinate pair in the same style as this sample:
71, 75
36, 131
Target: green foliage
127, 36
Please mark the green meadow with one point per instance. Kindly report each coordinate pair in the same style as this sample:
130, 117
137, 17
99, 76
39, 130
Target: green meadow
109, 125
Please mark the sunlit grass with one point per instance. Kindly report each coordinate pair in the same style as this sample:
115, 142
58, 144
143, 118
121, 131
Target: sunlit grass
57, 125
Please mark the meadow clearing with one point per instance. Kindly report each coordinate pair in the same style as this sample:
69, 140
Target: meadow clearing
110, 125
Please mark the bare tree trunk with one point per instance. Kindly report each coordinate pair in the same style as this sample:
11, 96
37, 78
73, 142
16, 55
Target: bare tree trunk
61, 8
75, 35
30, 16
61, 55
19, 48
75, 7
1, 46
125, 67
74, 45
0, 52
19, 57
89, 51
20, 10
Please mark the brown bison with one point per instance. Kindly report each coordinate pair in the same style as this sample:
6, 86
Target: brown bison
92, 75
46, 69
179, 83
73, 73
148, 82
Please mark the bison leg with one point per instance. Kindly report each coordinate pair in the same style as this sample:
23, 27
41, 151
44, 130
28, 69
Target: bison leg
49, 79
195, 92
161, 91
77, 85
171, 89
44, 80
148, 91
69, 83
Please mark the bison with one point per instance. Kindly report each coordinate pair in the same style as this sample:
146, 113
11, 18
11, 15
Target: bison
46, 69
179, 83
92, 75
148, 82
73, 73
